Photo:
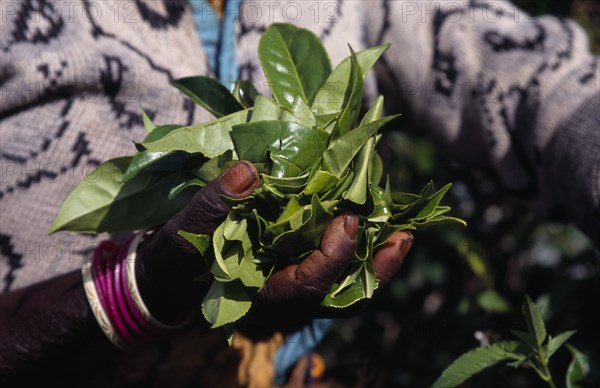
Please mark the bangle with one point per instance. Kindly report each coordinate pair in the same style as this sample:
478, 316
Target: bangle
96, 304
112, 292
131, 315
114, 312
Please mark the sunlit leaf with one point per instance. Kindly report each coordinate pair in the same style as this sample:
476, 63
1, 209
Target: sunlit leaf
294, 61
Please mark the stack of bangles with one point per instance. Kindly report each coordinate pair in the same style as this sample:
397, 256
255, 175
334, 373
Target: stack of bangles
112, 292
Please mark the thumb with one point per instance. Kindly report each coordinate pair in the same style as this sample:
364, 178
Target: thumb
207, 210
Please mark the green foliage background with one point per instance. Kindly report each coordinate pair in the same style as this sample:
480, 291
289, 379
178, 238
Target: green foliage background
460, 285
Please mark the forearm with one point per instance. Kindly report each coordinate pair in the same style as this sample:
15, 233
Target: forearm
44, 323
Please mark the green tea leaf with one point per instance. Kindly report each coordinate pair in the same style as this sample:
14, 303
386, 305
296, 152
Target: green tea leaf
250, 273
340, 153
299, 113
194, 182
364, 249
306, 235
352, 294
154, 161
475, 361
159, 132
329, 100
357, 192
245, 93
354, 271
230, 246
200, 241
321, 182
282, 186
225, 303
376, 169
352, 100
336, 192
368, 280
209, 139
374, 113
582, 371
265, 110
555, 343
295, 182
281, 167
101, 203
535, 323
209, 93
294, 61
284, 139
382, 212
527, 338
148, 124
235, 228
426, 206
404, 198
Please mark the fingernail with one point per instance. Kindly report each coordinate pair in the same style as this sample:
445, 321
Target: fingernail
351, 226
406, 245
239, 178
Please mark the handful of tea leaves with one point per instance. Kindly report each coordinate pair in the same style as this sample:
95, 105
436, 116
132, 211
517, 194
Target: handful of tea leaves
315, 156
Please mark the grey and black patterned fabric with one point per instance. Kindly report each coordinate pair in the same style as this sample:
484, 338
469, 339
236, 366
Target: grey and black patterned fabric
493, 85
74, 75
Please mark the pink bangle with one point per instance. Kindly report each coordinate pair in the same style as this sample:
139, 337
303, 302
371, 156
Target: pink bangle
132, 317
147, 328
111, 289
113, 309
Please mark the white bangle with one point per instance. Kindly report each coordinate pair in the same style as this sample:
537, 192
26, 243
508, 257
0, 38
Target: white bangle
94, 301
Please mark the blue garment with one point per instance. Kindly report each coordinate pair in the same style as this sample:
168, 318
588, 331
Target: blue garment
218, 39
297, 345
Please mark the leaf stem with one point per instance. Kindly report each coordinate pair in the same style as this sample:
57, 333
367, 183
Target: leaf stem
547, 376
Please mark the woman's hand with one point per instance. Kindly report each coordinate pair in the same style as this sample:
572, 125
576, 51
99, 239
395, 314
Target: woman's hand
168, 263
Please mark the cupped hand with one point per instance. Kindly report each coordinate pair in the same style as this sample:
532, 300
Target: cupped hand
168, 264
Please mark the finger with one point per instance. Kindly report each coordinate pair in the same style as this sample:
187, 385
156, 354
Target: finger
386, 262
207, 210
314, 276
389, 258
